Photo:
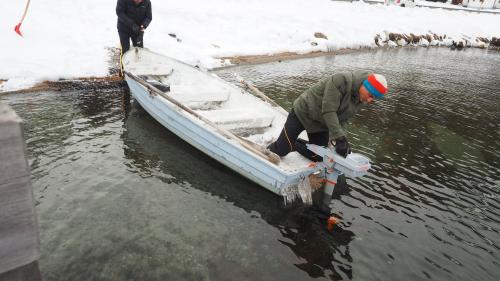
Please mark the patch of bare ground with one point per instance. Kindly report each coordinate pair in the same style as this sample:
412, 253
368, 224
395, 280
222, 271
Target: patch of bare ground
257, 59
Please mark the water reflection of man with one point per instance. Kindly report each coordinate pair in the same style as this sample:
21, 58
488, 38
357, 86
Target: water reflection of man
134, 16
324, 109
321, 252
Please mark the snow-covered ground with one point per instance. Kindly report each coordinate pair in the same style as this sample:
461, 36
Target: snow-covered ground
67, 39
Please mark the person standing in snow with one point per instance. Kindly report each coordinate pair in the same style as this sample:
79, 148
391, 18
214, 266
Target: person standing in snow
134, 16
324, 109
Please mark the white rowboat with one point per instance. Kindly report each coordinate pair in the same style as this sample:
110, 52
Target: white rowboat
222, 120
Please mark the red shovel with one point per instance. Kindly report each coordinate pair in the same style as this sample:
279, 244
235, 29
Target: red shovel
17, 29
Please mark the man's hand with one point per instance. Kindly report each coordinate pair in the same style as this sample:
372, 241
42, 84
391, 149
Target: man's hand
342, 146
142, 28
135, 28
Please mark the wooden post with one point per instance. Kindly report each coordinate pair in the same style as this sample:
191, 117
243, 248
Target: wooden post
18, 227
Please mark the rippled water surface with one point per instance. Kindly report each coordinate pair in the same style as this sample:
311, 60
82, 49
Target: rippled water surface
119, 197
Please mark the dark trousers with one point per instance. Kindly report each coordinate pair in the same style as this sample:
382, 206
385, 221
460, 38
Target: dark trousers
125, 38
289, 141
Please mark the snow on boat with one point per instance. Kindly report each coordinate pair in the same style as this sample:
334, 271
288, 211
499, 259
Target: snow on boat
218, 118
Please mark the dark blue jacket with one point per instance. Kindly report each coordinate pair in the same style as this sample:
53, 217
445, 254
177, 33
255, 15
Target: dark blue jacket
130, 14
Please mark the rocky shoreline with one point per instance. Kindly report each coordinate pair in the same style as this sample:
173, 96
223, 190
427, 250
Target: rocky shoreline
392, 39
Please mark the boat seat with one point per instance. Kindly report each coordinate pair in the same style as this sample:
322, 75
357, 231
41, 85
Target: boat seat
238, 119
204, 99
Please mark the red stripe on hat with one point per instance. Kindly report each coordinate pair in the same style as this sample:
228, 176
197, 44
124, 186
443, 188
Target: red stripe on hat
375, 83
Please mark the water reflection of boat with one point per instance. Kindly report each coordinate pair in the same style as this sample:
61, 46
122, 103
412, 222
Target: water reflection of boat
152, 151
213, 116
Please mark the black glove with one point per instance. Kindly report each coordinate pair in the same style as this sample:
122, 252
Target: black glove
342, 146
135, 28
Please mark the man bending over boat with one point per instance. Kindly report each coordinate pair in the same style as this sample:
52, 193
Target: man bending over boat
324, 109
134, 17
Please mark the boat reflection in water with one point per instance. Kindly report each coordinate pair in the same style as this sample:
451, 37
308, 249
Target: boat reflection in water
153, 151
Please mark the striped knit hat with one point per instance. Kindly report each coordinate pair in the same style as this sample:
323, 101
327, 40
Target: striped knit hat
376, 85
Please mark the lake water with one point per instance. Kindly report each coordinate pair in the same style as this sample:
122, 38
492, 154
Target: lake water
119, 197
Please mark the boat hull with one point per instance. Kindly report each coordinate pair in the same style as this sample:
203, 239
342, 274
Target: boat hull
195, 105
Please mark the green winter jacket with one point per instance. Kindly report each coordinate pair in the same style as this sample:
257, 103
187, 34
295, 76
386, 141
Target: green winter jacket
329, 104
